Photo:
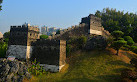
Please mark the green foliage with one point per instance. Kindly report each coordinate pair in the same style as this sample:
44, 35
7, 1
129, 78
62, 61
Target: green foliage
118, 44
134, 49
117, 34
96, 66
77, 42
0, 4
3, 49
6, 36
36, 69
81, 41
118, 20
58, 32
120, 38
126, 47
68, 49
126, 38
43, 37
130, 42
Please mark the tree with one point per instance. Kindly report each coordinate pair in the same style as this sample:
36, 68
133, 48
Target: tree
117, 34
58, 32
43, 37
118, 20
0, 4
126, 38
118, 41
118, 44
129, 40
6, 36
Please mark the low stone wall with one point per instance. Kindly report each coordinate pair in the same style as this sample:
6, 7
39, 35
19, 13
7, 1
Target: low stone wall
52, 68
50, 53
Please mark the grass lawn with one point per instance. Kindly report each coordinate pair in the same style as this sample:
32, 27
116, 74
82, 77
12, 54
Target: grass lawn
93, 66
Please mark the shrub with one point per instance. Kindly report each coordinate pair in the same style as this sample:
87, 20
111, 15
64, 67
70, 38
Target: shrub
36, 69
117, 34
126, 38
81, 41
68, 49
3, 49
118, 44
43, 37
126, 47
120, 38
133, 49
130, 42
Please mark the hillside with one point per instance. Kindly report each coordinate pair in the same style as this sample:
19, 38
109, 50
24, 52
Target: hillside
93, 66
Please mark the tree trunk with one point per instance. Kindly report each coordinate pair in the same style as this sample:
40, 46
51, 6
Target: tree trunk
117, 52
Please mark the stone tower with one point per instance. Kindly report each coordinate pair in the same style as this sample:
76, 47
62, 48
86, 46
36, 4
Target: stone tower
94, 24
20, 40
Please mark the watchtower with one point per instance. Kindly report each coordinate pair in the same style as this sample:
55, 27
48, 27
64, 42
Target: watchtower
20, 40
94, 24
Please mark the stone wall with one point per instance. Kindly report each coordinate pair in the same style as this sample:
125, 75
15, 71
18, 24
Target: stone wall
50, 53
20, 41
19, 51
90, 25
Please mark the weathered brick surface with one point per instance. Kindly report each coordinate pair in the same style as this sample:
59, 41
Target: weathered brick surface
51, 52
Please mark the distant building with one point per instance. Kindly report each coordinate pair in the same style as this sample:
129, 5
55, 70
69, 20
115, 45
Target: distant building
49, 31
1, 35
44, 30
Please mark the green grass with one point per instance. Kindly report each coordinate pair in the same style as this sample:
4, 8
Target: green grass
94, 66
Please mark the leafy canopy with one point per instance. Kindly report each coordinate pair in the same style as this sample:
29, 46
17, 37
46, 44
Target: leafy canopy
117, 34
0, 4
113, 19
43, 37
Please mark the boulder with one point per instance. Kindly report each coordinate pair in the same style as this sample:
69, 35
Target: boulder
13, 71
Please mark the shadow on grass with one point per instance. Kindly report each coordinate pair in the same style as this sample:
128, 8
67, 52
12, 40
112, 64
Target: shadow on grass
109, 78
78, 80
119, 62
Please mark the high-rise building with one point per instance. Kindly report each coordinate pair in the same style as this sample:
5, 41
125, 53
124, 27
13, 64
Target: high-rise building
44, 30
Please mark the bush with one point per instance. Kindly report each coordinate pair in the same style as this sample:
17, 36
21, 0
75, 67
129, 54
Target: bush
130, 42
36, 69
118, 44
133, 49
126, 47
3, 49
68, 49
81, 41
126, 38
120, 38
43, 37
77, 42
117, 34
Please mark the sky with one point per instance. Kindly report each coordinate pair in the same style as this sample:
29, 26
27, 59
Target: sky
55, 13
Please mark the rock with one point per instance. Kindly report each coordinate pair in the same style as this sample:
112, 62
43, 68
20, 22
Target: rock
28, 75
13, 71
14, 66
8, 78
4, 70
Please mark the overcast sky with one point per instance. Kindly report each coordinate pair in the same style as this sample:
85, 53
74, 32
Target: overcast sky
55, 13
